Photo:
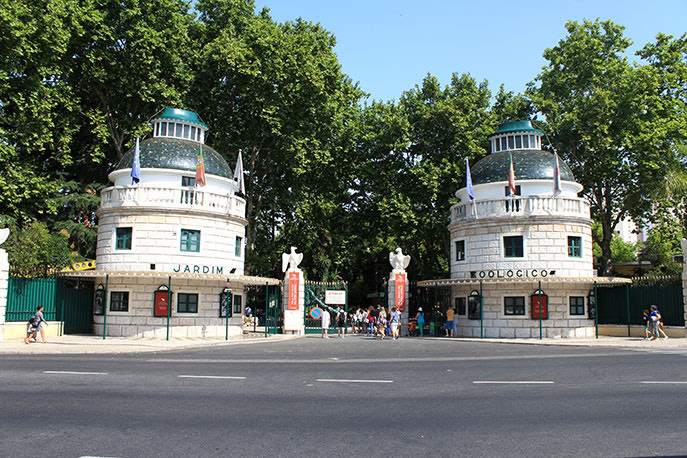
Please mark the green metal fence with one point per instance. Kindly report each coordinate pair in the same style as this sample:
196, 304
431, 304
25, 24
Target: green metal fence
63, 300
315, 294
615, 302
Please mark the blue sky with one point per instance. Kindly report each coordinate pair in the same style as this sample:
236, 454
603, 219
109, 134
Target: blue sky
389, 46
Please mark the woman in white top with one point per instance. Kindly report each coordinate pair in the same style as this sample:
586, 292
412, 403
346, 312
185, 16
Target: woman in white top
326, 319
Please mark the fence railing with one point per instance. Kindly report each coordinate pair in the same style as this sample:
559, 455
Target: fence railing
172, 197
615, 302
521, 206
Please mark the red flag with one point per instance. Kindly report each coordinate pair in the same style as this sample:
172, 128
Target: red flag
200, 168
511, 177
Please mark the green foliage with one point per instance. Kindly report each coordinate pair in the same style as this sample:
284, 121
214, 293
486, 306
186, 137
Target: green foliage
35, 252
621, 251
614, 123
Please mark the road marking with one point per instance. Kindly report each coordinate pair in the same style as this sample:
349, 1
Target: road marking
665, 383
74, 373
353, 380
228, 377
513, 382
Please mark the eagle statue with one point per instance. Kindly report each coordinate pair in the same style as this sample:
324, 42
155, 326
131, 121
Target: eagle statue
398, 260
290, 261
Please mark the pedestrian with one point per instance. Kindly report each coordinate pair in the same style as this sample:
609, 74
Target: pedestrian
647, 323
31, 330
450, 315
455, 323
40, 323
381, 326
654, 318
340, 322
326, 320
420, 318
395, 322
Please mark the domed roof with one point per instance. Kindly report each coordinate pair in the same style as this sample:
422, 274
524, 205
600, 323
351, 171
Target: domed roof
516, 126
177, 114
527, 164
175, 153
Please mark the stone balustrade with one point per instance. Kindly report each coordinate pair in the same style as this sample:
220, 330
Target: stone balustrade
520, 206
172, 198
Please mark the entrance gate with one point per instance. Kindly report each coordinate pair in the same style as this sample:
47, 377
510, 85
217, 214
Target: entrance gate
265, 301
624, 304
315, 296
434, 300
67, 301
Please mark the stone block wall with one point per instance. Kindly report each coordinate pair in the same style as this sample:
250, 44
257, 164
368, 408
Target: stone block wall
139, 320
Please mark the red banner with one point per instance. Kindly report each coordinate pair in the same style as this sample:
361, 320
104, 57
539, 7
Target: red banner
401, 292
293, 291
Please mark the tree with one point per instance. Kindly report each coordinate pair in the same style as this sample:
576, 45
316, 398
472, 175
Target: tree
35, 252
611, 121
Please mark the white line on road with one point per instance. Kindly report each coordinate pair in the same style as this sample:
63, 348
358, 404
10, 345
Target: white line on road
352, 380
513, 382
74, 373
665, 383
228, 377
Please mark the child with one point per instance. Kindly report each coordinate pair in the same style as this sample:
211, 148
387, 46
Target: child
32, 330
645, 318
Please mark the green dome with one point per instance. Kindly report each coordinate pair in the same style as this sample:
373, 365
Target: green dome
175, 153
177, 114
517, 126
527, 164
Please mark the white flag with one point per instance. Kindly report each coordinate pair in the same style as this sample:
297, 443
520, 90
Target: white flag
556, 175
238, 174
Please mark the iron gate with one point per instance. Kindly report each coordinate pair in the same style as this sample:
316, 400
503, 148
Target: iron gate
265, 301
615, 302
315, 294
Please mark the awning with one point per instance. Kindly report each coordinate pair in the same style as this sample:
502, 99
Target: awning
239, 279
600, 281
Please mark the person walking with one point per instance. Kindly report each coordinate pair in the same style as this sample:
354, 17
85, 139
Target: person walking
655, 317
340, 322
420, 318
450, 315
660, 325
326, 320
395, 322
40, 323
647, 324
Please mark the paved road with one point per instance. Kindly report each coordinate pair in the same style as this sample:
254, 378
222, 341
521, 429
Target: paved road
348, 397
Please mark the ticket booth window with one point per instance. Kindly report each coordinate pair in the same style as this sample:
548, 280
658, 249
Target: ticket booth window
514, 305
474, 306
187, 303
576, 305
461, 305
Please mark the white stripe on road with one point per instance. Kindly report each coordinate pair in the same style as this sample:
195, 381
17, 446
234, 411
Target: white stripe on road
665, 383
513, 382
352, 380
74, 373
228, 377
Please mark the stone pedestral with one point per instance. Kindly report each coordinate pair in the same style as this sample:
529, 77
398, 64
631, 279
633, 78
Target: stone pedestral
4, 279
398, 287
294, 302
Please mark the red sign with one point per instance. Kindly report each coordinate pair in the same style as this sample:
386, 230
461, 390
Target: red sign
293, 291
161, 303
536, 308
401, 292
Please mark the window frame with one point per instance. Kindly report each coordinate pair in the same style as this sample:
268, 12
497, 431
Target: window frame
506, 247
572, 248
237, 303
182, 298
458, 252
515, 307
118, 238
122, 305
185, 247
238, 246
577, 306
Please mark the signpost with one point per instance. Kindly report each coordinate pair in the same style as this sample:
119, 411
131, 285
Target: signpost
316, 313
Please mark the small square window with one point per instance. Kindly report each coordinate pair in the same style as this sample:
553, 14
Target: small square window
518, 141
576, 305
237, 247
187, 303
163, 129
460, 250
187, 129
193, 133
575, 247
190, 240
188, 182
504, 145
119, 301
123, 238
511, 142
178, 130
514, 305
525, 141
513, 246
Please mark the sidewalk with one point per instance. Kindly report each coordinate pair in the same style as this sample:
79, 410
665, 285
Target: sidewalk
88, 344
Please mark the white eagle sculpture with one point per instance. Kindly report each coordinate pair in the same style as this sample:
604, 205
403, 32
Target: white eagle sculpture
290, 261
398, 260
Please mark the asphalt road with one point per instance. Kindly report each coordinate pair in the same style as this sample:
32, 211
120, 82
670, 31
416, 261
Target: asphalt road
350, 397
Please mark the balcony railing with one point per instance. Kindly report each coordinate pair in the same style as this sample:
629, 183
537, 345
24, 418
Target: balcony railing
172, 198
509, 207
